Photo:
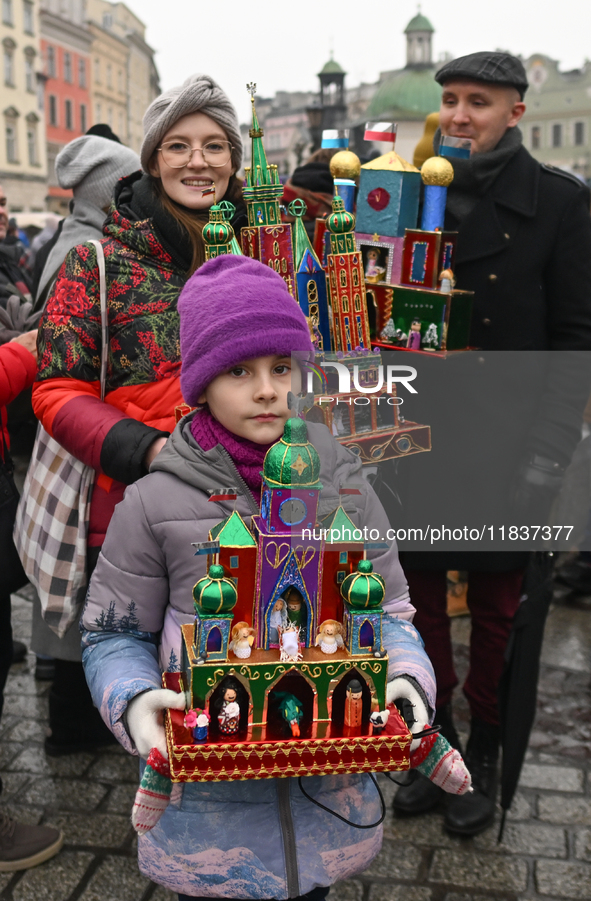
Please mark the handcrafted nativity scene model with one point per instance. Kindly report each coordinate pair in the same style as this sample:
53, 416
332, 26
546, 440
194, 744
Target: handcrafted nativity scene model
284, 664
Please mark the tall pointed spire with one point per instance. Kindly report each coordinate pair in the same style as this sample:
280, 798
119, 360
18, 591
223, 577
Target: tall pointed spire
263, 187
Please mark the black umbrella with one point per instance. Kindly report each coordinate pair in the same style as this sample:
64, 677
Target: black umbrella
518, 687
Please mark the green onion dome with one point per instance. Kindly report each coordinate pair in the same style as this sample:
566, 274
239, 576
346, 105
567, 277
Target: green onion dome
215, 593
217, 231
364, 588
292, 462
340, 222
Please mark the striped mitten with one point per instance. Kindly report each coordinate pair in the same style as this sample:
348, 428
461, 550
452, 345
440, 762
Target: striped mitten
438, 761
153, 795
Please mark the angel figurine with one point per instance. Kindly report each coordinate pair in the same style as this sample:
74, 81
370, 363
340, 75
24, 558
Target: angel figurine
242, 639
330, 636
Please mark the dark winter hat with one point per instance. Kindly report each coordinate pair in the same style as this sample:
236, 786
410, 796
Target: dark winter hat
233, 309
92, 166
198, 94
492, 68
103, 131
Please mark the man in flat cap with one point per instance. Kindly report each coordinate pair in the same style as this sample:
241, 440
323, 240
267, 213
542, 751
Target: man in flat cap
524, 249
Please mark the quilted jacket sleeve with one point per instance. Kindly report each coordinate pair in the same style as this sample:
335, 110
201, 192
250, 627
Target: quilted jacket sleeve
124, 615
17, 371
66, 398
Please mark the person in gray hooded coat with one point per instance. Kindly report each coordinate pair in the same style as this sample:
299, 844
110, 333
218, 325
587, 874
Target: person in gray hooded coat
91, 166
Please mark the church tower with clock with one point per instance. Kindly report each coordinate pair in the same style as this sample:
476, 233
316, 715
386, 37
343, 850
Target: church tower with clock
288, 565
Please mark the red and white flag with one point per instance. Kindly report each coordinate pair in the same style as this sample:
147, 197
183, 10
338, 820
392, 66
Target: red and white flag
380, 131
207, 191
223, 494
349, 489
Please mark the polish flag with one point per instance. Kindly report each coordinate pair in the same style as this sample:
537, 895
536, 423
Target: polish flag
349, 489
223, 494
380, 131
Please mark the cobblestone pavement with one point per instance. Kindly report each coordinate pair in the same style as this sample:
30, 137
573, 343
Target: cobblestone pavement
546, 853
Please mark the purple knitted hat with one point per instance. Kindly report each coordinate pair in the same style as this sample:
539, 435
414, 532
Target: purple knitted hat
234, 309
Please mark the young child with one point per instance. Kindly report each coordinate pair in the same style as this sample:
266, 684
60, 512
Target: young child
245, 839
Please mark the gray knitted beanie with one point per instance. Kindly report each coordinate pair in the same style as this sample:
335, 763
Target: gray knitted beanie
198, 94
91, 166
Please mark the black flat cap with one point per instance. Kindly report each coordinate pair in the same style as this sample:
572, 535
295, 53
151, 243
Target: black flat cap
492, 68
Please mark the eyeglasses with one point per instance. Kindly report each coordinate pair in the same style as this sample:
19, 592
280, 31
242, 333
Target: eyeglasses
177, 154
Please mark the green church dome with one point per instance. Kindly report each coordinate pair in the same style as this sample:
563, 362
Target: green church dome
364, 589
217, 231
292, 462
419, 23
331, 68
340, 221
409, 94
215, 593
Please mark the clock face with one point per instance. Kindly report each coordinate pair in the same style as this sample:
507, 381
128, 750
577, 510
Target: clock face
292, 511
265, 505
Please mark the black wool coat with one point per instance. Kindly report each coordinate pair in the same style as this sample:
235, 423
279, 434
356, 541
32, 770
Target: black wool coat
525, 251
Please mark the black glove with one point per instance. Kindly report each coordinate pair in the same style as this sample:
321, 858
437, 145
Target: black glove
538, 482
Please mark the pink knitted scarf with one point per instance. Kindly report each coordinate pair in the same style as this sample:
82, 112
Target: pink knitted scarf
247, 456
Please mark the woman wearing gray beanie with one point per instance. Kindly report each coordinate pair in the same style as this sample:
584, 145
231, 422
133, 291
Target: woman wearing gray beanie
192, 148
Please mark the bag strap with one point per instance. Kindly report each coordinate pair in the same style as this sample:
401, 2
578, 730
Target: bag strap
100, 258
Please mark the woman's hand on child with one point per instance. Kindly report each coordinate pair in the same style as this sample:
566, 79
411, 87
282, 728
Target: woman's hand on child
145, 719
28, 341
399, 689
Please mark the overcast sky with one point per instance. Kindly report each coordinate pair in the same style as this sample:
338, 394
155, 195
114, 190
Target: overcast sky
282, 45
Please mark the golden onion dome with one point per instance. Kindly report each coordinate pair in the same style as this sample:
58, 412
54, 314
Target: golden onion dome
345, 164
437, 171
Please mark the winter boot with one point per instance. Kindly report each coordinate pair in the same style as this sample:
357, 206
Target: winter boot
472, 813
420, 795
23, 846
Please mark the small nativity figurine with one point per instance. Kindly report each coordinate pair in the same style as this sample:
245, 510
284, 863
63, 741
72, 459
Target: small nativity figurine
330, 636
229, 709
277, 621
447, 280
242, 640
290, 644
354, 704
414, 336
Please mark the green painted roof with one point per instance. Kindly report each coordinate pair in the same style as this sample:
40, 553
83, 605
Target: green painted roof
419, 23
338, 519
332, 68
409, 94
233, 532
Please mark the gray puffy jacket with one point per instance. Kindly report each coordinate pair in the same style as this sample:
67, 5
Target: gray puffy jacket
251, 839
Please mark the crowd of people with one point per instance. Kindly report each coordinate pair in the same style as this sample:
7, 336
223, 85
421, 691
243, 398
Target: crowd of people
218, 336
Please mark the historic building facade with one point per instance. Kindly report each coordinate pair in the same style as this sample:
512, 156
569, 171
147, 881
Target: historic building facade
23, 163
557, 124
124, 77
65, 47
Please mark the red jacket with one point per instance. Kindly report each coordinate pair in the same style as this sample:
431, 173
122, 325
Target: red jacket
18, 368
143, 385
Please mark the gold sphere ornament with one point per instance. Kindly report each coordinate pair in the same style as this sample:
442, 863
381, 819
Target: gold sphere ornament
345, 164
437, 171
